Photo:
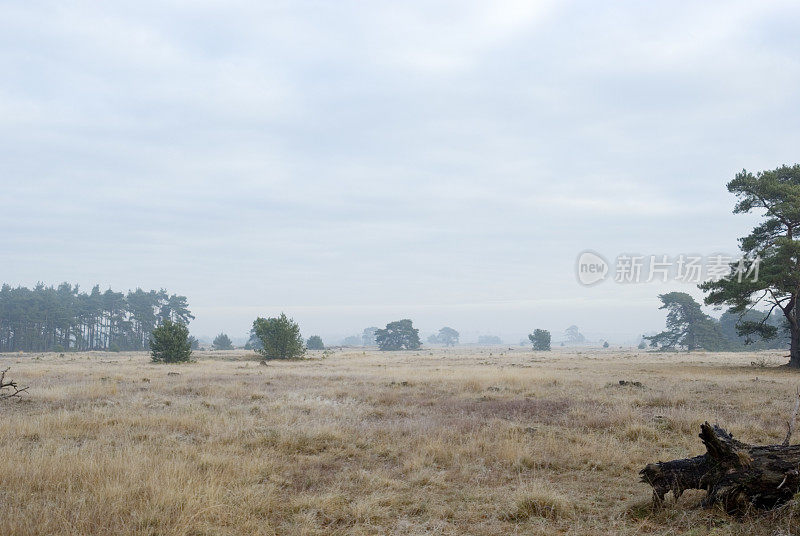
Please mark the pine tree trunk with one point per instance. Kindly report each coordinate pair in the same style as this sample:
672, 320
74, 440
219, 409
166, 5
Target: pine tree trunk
794, 350
794, 328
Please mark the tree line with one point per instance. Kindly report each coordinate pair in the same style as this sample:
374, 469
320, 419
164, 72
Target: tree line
689, 328
62, 318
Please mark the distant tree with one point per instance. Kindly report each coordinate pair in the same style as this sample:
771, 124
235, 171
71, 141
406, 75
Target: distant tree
368, 336
169, 343
773, 247
194, 344
398, 335
605, 344
315, 343
574, 336
352, 340
448, 336
280, 337
642, 345
253, 343
144, 314
688, 326
489, 340
222, 342
433, 338
64, 318
540, 339
730, 324
173, 307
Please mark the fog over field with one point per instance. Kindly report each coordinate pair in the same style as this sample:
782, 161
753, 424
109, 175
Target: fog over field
451, 268
351, 163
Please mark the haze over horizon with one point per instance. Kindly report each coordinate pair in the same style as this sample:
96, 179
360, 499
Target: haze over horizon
352, 164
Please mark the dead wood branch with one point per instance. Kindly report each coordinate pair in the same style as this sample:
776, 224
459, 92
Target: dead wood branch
9, 388
735, 475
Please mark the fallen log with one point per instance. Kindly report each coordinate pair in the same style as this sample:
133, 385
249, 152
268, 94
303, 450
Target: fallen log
735, 475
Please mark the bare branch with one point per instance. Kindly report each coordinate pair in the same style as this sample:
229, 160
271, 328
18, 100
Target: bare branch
778, 301
9, 388
753, 305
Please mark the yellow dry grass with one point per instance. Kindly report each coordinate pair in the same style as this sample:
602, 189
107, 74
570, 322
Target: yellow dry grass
502, 441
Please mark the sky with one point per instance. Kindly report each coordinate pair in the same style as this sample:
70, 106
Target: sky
353, 163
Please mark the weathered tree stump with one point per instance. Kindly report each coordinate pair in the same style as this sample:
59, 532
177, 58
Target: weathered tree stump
735, 475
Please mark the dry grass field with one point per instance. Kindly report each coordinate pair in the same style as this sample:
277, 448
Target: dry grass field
501, 441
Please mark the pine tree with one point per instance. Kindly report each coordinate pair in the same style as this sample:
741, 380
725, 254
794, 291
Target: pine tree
222, 342
169, 343
280, 337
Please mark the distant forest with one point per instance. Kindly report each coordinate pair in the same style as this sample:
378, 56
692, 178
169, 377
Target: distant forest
64, 318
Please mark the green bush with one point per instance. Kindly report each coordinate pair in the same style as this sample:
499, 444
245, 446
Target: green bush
315, 343
280, 337
540, 339
398, 335
169, 343
222, 342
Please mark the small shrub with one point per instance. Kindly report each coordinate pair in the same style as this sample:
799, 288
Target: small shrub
762, 362
280, 337
538, 501
540, 339
315, 343
222, 342
637, 432
170, 343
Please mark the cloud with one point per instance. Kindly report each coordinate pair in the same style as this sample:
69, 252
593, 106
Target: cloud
373, 157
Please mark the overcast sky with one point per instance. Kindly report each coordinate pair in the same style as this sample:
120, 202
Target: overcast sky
352, 163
